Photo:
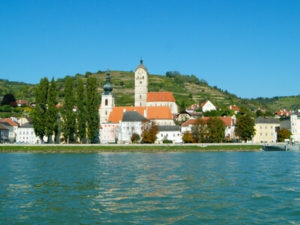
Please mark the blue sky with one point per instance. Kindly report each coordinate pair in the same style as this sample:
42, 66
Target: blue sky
250, 48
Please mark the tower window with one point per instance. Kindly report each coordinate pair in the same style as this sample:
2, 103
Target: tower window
141, 82
140, 97
106, 102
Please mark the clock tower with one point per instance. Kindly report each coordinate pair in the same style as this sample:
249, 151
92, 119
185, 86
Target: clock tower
141, 85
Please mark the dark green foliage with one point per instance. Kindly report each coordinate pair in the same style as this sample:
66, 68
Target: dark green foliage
245, 127
92, 110
188, 137
81, 111
68, 115
39, 113
9, 99
52, 112
283, 134
135, 138
216, 130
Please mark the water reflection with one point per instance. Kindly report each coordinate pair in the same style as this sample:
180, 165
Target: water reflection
127, 188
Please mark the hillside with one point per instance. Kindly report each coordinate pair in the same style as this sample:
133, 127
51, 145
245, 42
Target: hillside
186, 89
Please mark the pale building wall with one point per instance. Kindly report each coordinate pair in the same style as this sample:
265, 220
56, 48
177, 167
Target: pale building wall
126, 129
295, 128
208, 107
141, 87
265, 133
109, 133
107, 104
174, 136
163, 122
27, 136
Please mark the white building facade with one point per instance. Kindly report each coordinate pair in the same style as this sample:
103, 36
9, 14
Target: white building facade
26, 135
141, 85
295, 127
169, 133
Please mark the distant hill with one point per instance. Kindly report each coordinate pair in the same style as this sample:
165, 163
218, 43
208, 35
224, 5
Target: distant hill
187, 89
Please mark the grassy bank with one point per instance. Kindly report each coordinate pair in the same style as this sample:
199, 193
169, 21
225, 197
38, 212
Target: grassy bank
126, 148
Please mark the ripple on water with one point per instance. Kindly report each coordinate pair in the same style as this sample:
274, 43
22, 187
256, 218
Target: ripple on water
178, 188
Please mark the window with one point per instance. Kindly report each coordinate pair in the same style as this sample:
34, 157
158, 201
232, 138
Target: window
140, 97
141, 82
106, 102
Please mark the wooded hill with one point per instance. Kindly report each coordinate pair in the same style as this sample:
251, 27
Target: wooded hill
187, 89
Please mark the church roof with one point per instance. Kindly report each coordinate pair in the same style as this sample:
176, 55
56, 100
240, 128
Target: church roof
151, 112
9, 121
160, 97
141, 65
132, 116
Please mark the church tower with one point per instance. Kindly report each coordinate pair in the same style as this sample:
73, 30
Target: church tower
107, 100
141, 85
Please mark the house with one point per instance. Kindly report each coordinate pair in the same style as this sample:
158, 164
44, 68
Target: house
22, 103
183, 116
229, 123
24, 120
295, 127
131, 123
282, 113
234, 108
4, 132
12, 126
109, 133
266, 130
207, 106
169, 133
192, 108
26, 135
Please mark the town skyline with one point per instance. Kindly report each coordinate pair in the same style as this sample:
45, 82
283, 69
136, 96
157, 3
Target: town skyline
237, 46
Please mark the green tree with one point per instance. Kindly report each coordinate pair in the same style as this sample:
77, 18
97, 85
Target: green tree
245, 127
135, 138
68, 115
92, 110
81, 111
9, 99
216, 130
283, 134
200, 131
39, 114
52, 112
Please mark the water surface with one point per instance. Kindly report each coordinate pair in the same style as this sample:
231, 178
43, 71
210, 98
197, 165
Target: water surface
150, 188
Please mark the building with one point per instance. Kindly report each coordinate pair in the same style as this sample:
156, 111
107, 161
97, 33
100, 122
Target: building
169, 133
109, 133
234, 108
207, 106
22, 103
144, 98
131, 123
183, 116
266, 130
295, 127
4, 132
12, 126
140, 85
107, 101
26, 135
162, 99
282, 113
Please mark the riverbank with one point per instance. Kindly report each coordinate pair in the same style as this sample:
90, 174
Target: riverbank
86, 148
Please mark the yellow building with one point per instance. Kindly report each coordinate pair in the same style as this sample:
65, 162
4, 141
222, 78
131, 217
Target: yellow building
266, 130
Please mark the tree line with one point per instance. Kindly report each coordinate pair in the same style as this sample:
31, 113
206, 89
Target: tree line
77, 119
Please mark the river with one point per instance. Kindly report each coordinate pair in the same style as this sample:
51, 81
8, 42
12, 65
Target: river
150, 188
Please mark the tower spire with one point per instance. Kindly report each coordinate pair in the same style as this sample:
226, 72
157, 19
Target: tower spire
107, 87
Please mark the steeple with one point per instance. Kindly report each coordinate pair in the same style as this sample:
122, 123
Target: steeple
107, 87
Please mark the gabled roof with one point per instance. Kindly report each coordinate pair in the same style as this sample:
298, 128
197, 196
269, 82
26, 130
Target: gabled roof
203, 103
132, 116
168, 128
234, 108
9, 121
2, 127
151, 112
226, 120
191, 121
266, 120
160, 97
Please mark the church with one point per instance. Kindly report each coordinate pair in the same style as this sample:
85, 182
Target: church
158, 107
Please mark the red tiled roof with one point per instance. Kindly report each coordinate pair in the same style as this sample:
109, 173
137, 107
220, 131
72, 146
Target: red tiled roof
203, 103
9, 121
160, 97
234, 108
152, 112
22, 102
226, 120
283, 112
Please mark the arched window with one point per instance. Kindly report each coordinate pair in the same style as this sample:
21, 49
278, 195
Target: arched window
106, 102
140, 97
